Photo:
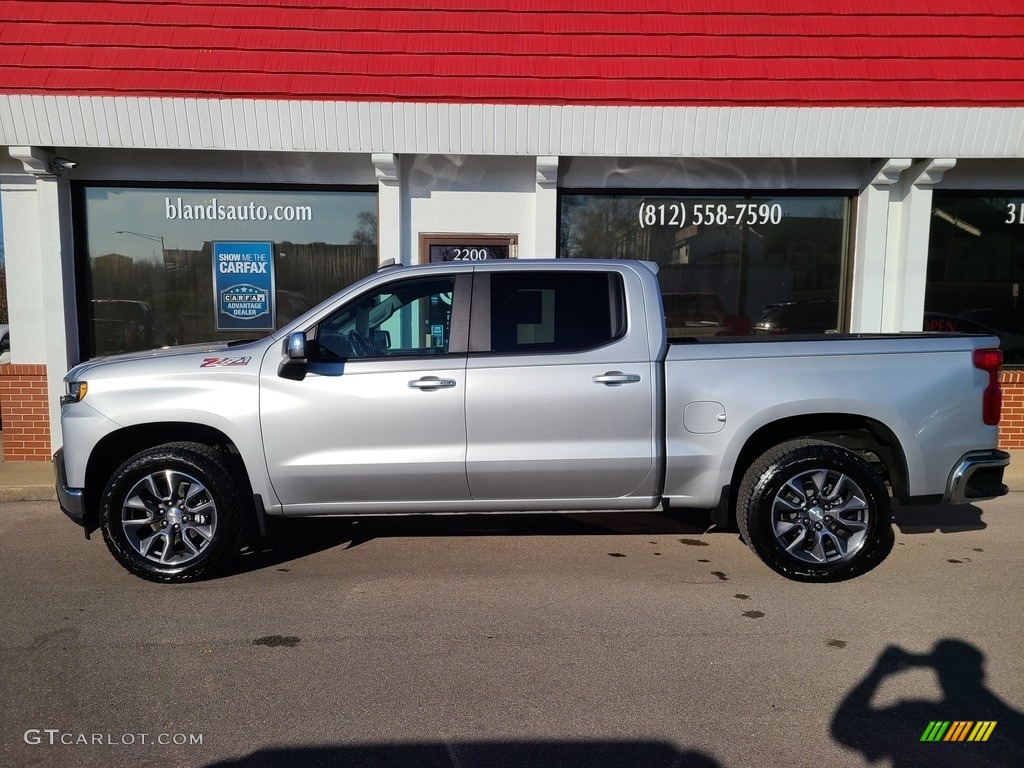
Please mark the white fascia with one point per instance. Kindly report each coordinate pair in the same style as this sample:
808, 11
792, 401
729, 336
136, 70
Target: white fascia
144, 122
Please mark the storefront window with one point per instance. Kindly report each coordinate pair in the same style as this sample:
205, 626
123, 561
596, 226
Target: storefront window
169, 266
976, 268
729, 265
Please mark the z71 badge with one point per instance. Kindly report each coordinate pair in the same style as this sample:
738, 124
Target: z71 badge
223, 362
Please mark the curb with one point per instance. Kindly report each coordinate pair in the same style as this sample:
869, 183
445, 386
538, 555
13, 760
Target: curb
28, 493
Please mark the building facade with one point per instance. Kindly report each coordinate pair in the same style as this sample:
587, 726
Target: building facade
198, 171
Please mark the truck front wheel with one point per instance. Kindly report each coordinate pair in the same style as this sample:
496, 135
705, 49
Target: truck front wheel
174, 513
815, 511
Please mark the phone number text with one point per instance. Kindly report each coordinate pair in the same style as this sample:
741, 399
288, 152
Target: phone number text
680, 214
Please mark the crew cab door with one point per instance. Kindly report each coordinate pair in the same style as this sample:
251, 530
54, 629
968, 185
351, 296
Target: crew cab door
376, 416
560, 390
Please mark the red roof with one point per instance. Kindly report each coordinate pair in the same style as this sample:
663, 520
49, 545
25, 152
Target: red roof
572, 52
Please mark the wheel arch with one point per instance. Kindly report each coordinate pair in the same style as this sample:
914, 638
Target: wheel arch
863, 435
117, 447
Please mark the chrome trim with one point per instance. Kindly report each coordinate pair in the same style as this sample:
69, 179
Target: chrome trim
959, 487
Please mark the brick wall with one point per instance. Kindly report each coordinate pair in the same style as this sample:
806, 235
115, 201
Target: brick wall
1011, 426
26, 415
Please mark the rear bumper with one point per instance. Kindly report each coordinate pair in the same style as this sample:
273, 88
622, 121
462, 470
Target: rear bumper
978, 476
71, 500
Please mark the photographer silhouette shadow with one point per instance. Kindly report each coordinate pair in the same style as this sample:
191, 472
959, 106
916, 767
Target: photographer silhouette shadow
896, 732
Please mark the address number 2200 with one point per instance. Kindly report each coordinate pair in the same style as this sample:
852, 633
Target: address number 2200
470, 254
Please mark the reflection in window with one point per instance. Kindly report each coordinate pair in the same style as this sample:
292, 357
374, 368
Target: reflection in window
149, 257
976, 267
724, 262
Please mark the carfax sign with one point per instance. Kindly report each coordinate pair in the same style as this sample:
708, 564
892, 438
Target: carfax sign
243, 286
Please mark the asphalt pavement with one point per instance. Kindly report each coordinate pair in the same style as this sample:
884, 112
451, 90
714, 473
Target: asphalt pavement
511, 641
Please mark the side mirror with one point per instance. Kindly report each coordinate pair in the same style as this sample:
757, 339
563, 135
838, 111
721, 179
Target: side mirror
297, 347
294, 365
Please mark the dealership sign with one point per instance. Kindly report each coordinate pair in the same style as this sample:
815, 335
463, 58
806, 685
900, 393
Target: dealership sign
243, 285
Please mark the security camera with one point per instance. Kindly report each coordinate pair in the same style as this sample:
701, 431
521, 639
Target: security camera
60, 164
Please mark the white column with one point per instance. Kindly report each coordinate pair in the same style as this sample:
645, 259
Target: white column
872, 247
546, 232
389, 210
910, 273
40, 271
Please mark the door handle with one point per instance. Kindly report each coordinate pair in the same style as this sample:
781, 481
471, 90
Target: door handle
430, 383
616, 378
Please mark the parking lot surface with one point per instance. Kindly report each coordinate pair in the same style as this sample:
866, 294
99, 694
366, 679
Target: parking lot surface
575, 640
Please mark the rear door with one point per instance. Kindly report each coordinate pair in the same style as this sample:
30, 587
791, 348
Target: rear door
560, 391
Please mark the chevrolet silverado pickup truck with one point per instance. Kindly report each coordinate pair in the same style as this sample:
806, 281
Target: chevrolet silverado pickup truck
526, 386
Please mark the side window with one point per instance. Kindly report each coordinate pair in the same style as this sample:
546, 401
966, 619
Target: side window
555, 311
412, 317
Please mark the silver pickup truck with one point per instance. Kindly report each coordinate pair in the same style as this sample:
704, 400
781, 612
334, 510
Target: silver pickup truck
530, 385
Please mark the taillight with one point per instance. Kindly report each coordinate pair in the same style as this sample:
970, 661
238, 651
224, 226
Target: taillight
990, 361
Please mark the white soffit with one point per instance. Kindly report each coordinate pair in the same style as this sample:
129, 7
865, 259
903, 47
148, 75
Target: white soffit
486, 129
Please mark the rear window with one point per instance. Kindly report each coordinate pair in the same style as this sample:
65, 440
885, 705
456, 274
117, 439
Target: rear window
555, 311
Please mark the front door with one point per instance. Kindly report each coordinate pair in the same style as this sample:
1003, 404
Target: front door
378, 420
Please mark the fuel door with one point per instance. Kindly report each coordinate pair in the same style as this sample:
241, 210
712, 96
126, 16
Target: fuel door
704, 417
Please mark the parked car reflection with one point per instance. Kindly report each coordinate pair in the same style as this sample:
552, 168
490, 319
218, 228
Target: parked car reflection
701, 314
808, 316
122, 325
5, 343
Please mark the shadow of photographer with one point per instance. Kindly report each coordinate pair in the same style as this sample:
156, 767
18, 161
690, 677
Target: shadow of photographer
899, 732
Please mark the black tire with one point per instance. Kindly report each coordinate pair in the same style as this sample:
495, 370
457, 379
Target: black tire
175, 513
815, 511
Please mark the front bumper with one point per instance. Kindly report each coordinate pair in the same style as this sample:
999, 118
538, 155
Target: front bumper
71, 500
978, 476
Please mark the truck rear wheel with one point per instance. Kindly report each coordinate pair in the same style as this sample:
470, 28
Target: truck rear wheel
174, 513
815, 511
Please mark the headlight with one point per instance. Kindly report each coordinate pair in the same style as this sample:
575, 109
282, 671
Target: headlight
76, 392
